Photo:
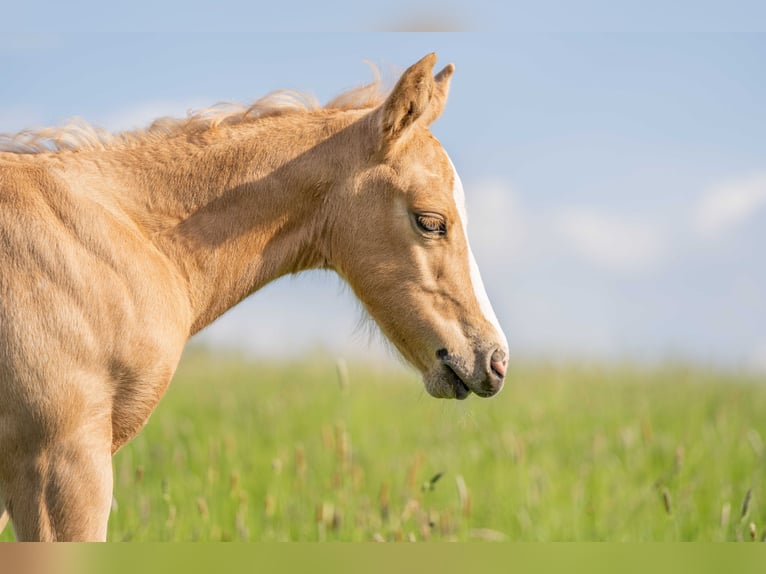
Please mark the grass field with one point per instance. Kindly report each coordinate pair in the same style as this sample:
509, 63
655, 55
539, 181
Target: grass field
255, 451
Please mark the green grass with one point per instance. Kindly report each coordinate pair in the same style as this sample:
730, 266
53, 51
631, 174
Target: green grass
255, 451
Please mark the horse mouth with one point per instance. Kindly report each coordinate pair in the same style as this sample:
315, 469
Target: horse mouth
461, 389
445, 383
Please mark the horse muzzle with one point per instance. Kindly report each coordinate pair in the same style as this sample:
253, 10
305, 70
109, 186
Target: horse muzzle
453, 377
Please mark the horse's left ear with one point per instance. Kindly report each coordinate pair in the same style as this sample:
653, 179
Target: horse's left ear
417, 96
440, 93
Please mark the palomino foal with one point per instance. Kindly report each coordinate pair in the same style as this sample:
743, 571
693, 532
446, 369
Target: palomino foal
115, 249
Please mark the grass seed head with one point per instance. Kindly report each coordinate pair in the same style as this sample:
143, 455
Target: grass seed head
746, 504
666, 502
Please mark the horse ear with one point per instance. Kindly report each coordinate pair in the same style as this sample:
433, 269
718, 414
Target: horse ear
441, 91
410, 99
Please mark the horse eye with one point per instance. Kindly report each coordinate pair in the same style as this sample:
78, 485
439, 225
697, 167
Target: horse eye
431, 224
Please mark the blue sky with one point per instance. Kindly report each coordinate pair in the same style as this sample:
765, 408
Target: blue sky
238, 18
615, 168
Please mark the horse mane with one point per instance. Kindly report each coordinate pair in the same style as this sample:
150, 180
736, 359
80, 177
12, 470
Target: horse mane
78, 134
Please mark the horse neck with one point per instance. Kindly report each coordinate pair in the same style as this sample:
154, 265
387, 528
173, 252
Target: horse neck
244, 204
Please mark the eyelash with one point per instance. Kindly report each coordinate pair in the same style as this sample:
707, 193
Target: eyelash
431, 224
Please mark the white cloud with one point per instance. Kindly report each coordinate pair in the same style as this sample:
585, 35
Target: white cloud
141, 115
16, 119
497, 226
729, 205
502, 230
134, 117
610, 241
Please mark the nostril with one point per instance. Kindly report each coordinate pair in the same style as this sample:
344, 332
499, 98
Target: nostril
498, 363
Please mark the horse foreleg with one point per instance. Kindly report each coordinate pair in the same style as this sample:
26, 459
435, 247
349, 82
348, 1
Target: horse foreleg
62, 492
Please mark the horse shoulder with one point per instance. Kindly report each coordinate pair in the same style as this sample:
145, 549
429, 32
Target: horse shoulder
88, 306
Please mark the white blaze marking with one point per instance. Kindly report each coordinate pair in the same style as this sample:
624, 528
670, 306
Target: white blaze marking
478, 285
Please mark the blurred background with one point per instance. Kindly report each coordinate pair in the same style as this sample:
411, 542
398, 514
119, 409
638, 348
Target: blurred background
614, 166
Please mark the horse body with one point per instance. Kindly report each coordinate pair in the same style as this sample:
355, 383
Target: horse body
92, 324
115, 252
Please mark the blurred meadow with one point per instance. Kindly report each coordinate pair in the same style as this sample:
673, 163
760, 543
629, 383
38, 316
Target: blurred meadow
269, 451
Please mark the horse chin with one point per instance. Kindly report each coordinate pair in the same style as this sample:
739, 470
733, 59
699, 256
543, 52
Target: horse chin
443, 383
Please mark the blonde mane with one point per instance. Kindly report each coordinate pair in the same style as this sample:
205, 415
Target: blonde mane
78, 134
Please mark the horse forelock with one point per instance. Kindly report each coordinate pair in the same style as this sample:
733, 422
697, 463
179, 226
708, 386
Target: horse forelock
78, 134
